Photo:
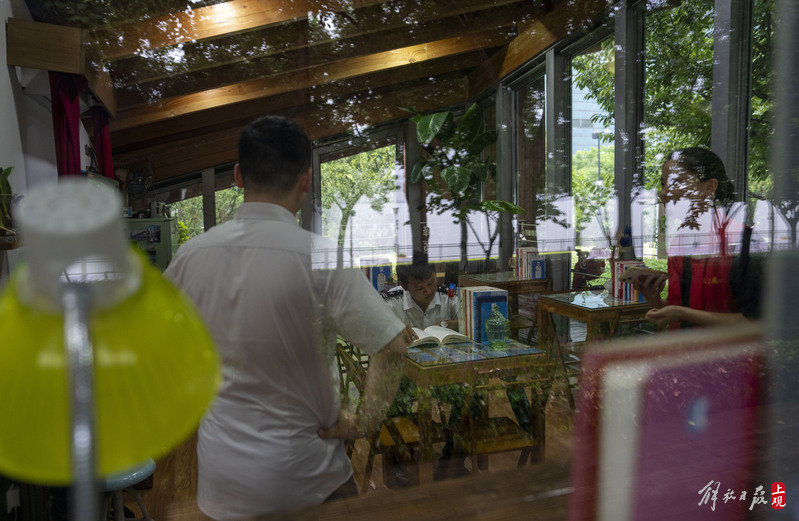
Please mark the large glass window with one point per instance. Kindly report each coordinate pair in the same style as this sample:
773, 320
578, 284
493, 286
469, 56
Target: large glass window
531, 162
592, 140
677, 102
363, 204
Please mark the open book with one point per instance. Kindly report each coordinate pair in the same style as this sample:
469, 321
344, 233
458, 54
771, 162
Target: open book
437, 335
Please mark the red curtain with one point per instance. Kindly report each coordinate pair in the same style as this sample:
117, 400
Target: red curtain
102, 141
64, 90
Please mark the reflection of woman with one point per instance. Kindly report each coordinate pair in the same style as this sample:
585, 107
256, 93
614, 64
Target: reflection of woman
699, 286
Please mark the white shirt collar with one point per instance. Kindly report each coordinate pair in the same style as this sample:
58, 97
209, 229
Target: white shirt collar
265, 211
409, 303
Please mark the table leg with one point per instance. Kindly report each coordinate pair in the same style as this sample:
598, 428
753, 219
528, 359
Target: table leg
425, 420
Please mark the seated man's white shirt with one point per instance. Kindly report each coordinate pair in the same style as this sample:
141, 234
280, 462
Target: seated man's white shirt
441, 308
275, 321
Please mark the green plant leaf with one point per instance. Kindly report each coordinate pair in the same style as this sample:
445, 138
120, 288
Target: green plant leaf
428, 127
470, 126
478, 144
501, 206
416, 173
457, 178
5, 186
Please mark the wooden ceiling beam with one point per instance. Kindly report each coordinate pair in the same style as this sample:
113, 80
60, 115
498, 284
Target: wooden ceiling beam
50, 47
193, 124
207, 22
188, 155
270, 86
283, 63
200, 70
534, 38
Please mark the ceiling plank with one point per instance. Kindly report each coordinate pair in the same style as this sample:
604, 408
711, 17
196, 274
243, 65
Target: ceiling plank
196, 71
270, 86
44, 46
352, 30
195, 123
207, 22
49, 47
219, 147
537, 36
499, 22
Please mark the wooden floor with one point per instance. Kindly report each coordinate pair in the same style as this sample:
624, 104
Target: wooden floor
172, 497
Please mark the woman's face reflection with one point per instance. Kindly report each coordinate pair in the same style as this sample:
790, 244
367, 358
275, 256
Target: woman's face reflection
678, 183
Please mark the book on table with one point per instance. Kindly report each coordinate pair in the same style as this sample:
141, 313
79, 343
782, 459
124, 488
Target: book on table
476, 304
436, 336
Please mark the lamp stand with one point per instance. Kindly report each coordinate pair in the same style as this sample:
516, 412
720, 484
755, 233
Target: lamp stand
76, 301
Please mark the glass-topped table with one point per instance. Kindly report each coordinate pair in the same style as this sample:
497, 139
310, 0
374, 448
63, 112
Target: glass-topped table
452, 363
600, 311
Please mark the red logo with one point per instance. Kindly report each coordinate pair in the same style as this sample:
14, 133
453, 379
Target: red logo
778, 495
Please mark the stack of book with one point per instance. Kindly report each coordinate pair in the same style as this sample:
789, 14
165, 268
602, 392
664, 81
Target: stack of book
378, 275
476, 305
529, 264
624, 290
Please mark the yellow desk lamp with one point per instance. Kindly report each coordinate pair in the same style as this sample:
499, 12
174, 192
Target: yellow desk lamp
103, 363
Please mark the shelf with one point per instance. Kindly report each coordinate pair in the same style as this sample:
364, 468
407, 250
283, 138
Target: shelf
9, 242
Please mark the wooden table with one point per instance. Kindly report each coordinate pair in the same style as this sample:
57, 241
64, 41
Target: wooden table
536, 492
595, 308
431, 367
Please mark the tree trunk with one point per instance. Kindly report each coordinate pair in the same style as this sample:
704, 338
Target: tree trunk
342, 236
464, 242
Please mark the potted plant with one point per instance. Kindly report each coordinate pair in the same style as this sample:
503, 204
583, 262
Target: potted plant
454, 166
6, 197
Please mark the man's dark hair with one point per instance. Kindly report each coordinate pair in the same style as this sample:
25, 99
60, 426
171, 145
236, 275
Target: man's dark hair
706, 165
419, 269
273, 153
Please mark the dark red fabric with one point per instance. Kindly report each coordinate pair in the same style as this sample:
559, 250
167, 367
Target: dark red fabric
102, 141
64, 91
710, 284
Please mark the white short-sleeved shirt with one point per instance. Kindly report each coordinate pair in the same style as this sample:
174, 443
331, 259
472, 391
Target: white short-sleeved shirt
441, 308
275, 321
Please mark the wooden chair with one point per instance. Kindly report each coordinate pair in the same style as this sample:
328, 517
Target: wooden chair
483, 435
397, 434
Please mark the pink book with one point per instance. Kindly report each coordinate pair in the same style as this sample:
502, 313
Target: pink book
658, 420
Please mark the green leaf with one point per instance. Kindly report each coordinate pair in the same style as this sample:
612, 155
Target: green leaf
428, 127
481, 141
5, 186
416, 173
457, 178
501, 206
470, 125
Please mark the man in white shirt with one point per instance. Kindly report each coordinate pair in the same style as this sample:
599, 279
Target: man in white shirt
421, 304
272, 439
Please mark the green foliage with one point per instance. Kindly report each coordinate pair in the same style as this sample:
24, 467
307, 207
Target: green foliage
226, 202
5, 200
454, 167
189, 214
591, 194
183, 232
346, 180
679, 83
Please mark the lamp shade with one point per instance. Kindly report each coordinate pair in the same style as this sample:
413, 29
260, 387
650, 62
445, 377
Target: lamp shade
155, 371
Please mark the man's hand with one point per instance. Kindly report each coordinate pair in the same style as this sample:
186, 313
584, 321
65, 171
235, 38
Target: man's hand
409, 334
346, 428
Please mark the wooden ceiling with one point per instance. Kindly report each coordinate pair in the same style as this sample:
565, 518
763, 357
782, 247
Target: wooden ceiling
181, 84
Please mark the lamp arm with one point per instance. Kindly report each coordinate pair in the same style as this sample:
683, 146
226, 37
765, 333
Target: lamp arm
76, 301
